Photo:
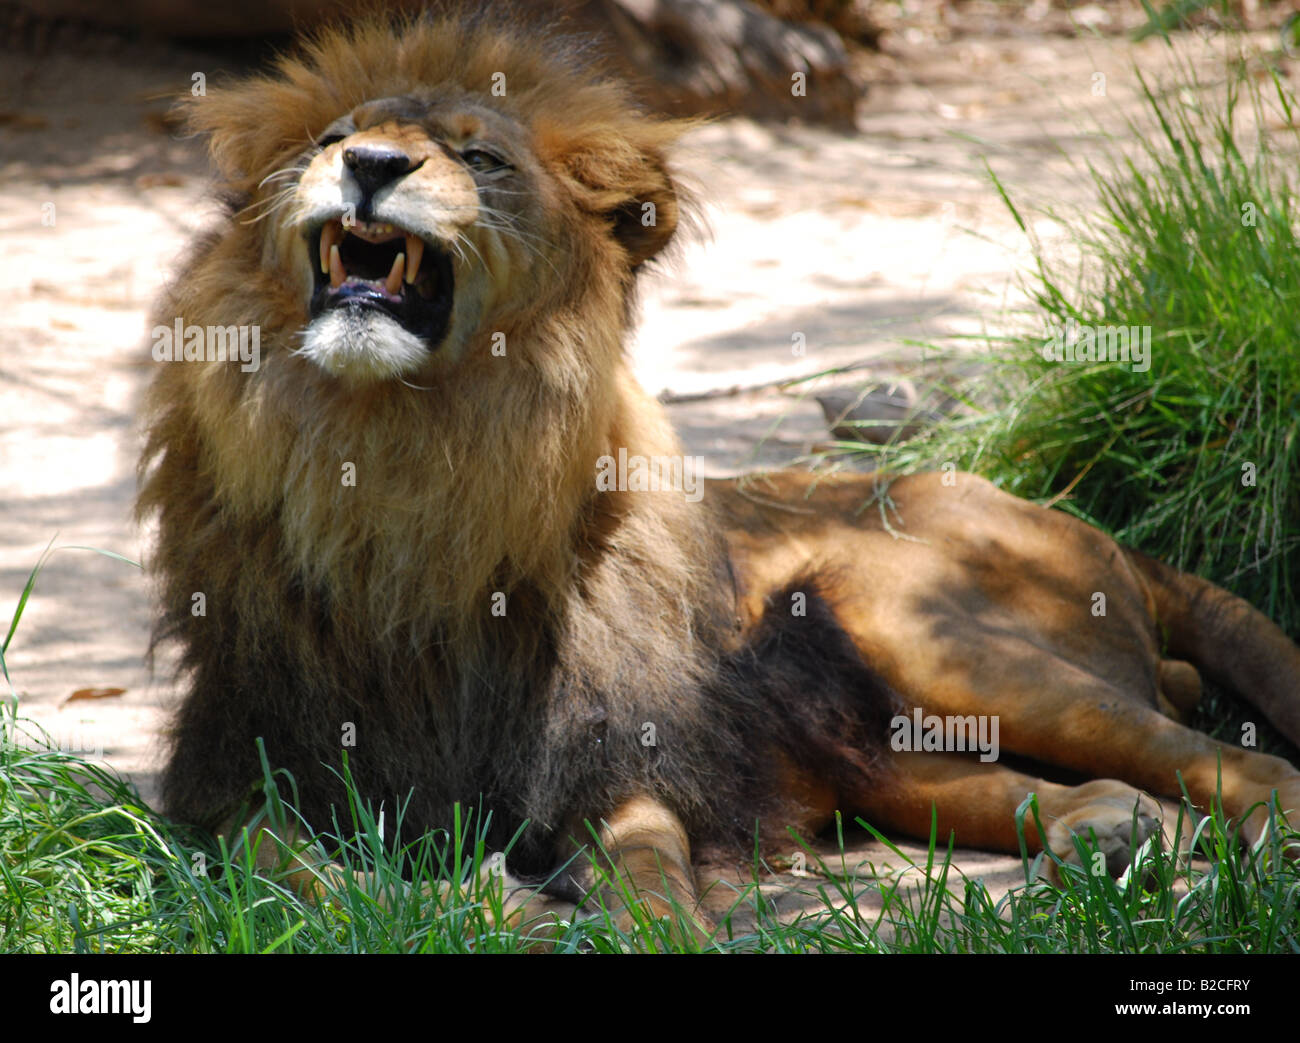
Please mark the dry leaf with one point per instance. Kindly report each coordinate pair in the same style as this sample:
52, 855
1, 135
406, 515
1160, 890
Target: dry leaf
93, 693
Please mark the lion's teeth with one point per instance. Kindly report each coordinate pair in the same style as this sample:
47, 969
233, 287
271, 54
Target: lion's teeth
414, 254
337, 274
394, 283
329, 236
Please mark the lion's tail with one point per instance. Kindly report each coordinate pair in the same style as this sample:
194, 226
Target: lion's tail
1230, 642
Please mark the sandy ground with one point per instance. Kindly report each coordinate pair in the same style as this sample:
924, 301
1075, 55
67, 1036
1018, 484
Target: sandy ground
861, 243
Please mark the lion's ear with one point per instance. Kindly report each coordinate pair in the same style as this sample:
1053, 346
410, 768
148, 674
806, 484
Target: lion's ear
620, 173
646, 223
253, 128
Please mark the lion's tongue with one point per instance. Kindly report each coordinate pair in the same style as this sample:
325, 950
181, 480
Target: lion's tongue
392, 285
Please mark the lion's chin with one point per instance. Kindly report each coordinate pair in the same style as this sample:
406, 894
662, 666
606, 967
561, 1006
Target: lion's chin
362, 346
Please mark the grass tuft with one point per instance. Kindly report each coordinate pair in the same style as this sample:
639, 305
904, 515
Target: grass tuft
1196, 459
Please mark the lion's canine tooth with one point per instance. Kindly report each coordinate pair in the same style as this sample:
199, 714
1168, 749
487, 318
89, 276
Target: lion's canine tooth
337, 274
328, 236
414, 254
394, 283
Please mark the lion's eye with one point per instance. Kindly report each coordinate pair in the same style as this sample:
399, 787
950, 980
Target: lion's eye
481, 161
335, 132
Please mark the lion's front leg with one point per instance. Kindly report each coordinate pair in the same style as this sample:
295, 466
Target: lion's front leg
307, 870
301, 865
638, 869
642, 870
524, 907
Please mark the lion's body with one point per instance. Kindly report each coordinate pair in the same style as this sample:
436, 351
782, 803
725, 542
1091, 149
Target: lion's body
397, 532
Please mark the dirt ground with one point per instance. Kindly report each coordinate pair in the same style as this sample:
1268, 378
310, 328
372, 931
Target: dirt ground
863, 243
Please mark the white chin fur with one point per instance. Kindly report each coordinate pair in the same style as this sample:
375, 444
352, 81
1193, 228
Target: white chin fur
362, 346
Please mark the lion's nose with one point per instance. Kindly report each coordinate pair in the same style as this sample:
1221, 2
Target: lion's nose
375, 167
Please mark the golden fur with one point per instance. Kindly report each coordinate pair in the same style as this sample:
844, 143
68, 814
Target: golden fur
359, 509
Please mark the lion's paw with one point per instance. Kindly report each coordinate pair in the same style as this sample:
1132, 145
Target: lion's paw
1287, 806
1119, 817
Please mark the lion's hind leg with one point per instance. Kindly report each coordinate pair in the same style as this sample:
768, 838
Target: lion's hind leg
1110, 737
1227, 639
978, 803
1073, 714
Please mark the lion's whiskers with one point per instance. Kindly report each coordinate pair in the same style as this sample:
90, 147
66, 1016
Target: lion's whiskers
460, 242
268, 205
297, 170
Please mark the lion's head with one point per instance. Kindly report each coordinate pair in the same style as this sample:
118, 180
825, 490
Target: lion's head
425, 196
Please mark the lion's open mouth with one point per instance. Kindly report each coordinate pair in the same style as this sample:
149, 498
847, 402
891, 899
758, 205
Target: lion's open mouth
370, 264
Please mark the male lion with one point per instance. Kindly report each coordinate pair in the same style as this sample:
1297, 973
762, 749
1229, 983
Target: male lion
395, 523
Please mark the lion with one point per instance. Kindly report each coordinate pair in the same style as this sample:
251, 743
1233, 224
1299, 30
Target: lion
388, 535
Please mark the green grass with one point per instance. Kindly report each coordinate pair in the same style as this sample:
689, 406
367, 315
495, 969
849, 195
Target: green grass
86, 867
1196, 460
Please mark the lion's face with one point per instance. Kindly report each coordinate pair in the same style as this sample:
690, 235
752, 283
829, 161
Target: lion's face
424, 197
419, 225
